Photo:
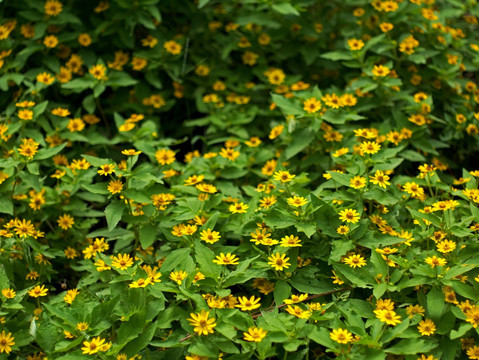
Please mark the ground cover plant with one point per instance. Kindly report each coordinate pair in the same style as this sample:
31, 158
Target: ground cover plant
257, 179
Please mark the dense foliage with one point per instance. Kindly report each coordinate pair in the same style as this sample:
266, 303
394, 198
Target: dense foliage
239, 179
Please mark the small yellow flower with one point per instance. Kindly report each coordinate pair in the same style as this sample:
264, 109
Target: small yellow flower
38, 291
341, 336
202, 323
122, 261
279, 261
349, 215
238, 208
380, 71
227, 259
355, 261
255, 334
178, 276
297, 201
426, 327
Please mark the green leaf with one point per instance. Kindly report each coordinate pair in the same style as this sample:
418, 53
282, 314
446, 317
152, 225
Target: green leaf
202, 3
147, 235
338, 55
435, 303
130, 329
114, 212
95, 161
140, 342
6, 205
380, 196
358, 277
281, 291
464, 290
89, 103
175, 258
300, 141
463, 329
321, 336
285, 9
412, 155
411, 347
48, 153
204, 258
288, 106
342, 179
120, 79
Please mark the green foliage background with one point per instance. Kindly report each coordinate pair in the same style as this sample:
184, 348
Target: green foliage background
222, 90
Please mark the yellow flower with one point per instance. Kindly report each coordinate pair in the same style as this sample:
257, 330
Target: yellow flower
435, 261
70, 296
269, 168
115, 186
38, 291
473, 352
84, 39
297, 201
446, 246
246, 304
6, 341
341, 336
65, 221
267, 201
296, 299
386, 27
238, 208
426, 327
255, 334
172, 47
210, 236
229, 153
349, 215
202, 323
9, 293
311, 105
95, 345
25, 114
107, 169
28, 148
342, 229
412, 310
53, 7
380, 70
276, 131
380, 179
357, 182
298, 312
140, 283
98, 71
388, 316
50, 41
178, 276
290, 241
82, 326
122, 261
355, 44
370, 147
413, 189
355, 261
283, 176
279, 261
165, 156
227, 259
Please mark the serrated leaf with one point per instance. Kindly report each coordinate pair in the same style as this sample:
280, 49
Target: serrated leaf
114, 212
204, 258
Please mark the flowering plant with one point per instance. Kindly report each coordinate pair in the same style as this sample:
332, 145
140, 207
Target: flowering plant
260, 179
